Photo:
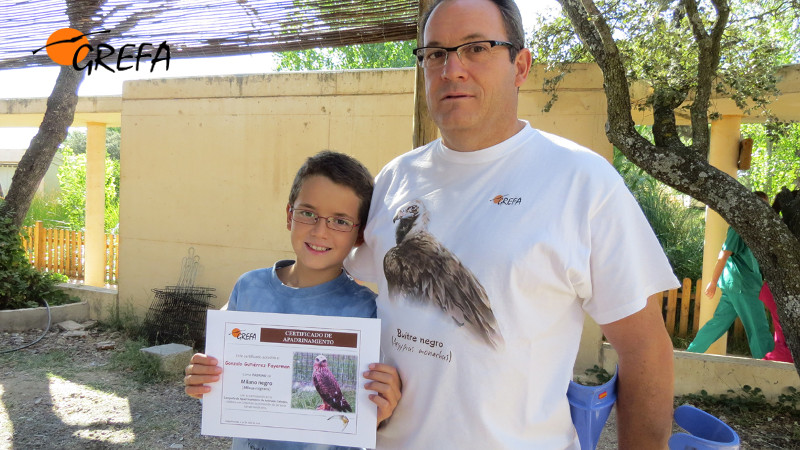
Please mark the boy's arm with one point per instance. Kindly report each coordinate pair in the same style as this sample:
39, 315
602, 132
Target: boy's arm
386, 382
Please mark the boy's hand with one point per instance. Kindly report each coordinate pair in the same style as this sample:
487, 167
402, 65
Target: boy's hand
386, 382
202, 369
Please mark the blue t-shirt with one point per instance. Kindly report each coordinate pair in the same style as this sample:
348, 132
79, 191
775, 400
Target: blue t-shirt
261, 290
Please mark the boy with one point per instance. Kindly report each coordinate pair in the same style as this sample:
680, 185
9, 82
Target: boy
328, 207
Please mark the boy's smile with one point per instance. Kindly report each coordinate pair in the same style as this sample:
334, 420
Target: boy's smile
320, 250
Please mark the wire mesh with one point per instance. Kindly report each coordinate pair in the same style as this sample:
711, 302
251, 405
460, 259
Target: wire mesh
178, 314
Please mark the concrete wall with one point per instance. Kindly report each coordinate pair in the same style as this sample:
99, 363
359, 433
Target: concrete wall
207, 162
102, 302
695, 372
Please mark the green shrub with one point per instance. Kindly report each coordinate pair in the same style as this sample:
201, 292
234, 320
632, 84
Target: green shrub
22, 286
72, 177
680, 229
47, 208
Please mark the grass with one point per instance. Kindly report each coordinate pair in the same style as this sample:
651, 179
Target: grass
142, 367
48, 209
40, 365
124, 320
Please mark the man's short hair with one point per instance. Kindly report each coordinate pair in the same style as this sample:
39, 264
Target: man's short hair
763, 195
343, 170
512, 21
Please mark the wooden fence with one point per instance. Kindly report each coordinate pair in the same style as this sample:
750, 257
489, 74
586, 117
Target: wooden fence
681, 311
63, 251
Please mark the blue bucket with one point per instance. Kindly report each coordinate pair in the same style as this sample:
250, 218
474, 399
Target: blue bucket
590, 407
706, 432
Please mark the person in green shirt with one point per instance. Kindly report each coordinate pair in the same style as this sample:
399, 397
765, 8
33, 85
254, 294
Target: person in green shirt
739, 277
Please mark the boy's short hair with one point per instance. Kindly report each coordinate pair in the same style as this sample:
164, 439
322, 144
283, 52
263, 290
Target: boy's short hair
341, 169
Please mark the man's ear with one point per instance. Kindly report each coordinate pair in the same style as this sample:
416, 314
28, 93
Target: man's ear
288, 217
523, 66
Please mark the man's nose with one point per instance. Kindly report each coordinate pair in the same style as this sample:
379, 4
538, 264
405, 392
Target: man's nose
453, 67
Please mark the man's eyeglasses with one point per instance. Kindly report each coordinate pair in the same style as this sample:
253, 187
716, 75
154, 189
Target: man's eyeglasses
477, 52
335, 223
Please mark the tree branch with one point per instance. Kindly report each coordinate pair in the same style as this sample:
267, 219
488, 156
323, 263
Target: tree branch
708, 62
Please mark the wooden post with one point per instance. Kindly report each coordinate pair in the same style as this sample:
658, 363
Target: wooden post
424, 128
672, 300
38, 244
698, 293
686, 298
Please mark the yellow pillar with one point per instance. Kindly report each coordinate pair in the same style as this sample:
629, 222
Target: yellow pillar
724, 155
95, 204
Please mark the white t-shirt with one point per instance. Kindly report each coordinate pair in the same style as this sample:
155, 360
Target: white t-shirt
494, 256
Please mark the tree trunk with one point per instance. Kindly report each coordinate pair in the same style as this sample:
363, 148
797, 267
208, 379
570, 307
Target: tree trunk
686, 168
424, 130
58, 117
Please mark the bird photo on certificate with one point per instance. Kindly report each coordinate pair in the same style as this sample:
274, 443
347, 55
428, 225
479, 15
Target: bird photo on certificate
291, 377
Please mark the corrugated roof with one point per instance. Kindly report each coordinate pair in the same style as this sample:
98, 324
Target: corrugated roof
195, 28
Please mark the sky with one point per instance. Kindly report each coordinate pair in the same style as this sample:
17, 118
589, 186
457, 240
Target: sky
39, 81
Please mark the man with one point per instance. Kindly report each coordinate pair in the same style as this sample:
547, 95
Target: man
488, 246
738, 275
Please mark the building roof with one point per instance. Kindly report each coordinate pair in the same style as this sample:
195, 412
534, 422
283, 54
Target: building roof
202, 28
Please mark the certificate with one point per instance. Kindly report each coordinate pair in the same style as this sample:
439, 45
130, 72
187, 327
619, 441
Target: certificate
290, 377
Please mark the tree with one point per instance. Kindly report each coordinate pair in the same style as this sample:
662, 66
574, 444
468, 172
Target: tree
382, 55
710, 43
72, 177
776, 157
76, 140
34, 163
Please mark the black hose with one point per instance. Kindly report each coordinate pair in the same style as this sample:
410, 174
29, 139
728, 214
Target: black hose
49, 318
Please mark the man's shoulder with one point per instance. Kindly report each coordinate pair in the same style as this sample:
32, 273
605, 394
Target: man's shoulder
409, 158
562, 147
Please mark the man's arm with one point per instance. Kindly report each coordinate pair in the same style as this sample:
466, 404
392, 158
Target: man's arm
711, 288
645, 387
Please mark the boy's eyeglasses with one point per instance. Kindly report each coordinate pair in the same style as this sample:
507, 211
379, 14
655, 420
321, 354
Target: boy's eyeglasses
335, 223
477, 52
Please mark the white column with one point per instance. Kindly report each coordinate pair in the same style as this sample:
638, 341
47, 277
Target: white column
95, 204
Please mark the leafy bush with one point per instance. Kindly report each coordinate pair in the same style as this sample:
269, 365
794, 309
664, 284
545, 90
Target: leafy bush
776, 157
48, 209
72, 177
22, 286
679, 229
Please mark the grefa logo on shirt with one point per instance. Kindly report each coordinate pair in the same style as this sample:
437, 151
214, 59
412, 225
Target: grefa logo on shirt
506, 200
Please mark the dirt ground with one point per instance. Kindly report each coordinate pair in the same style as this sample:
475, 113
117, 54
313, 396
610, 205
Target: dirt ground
63, 393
